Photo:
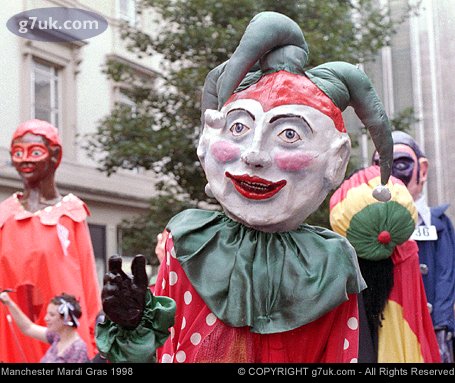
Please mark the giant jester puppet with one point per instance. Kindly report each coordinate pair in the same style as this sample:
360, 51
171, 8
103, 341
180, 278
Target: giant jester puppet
45, 245
253, 283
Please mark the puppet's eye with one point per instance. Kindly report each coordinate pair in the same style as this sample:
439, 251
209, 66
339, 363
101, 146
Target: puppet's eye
37, 152
289, 135
403, 164
238, 129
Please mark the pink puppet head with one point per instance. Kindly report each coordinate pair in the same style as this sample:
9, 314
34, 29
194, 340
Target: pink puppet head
274, 142
44, 129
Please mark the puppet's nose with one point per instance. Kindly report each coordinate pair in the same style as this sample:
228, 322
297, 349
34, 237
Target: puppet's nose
256, 158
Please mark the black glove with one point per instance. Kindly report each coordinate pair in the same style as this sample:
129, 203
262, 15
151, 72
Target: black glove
123, 296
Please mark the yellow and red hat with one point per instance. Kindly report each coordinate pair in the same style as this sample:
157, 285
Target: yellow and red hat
373, 228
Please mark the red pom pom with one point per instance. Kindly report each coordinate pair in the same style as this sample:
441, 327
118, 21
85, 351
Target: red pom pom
384, 237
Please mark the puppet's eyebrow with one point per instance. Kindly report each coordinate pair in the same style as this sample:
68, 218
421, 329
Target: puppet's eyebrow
290, 115
242, 110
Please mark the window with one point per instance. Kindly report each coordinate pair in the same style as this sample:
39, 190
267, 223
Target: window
126, 101
45, 92
50, 89
127, 10
136, 75
98, 235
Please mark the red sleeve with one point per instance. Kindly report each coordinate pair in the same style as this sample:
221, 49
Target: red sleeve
164, 287
343, 342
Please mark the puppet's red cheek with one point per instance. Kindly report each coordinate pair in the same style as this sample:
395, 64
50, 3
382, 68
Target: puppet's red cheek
293, 162
225, 152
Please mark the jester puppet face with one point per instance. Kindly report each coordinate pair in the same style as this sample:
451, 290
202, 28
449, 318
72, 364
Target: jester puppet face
273, 141
271, 157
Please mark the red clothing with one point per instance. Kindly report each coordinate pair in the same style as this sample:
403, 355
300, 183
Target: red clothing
198, 336
43, 254
406, 334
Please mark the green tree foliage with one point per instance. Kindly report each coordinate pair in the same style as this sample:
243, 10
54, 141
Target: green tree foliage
193, 37
404, 120
137, 234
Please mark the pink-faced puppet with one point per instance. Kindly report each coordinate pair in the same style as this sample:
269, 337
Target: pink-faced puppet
45, 245
253, 283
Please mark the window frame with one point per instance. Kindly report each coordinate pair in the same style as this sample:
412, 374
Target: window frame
55, 99
118, 88
129, 14
66, 57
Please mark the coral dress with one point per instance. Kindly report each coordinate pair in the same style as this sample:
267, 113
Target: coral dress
43, 254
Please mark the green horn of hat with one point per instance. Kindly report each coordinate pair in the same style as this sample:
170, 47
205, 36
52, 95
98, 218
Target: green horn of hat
276, 42
265, 32
347, 85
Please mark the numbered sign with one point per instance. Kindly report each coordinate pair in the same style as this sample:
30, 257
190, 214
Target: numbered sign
425, 233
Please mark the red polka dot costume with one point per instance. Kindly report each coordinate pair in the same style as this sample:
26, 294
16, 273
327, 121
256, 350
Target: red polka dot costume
199, 336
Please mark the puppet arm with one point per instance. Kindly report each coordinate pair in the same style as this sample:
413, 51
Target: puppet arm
137, 322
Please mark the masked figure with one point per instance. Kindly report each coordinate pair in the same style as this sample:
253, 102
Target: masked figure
435, 237
253, 283
397, 319
45, 245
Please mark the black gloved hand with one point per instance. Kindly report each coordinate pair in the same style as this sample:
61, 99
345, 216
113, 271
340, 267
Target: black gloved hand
123, 296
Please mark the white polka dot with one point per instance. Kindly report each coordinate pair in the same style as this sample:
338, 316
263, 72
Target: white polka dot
346, 344
183, 323
163, 284
210, 319
180, 356
173, 252
172, 331
173, 278
353, 323
166, 358
187, 297
196, 338
353, 360
168, 258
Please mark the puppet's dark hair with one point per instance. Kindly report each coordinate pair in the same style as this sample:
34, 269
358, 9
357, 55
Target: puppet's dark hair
378, 276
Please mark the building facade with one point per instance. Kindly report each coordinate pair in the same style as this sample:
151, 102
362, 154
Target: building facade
64, 83
416, 72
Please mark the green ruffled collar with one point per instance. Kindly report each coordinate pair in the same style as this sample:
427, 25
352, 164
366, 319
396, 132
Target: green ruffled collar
272, 282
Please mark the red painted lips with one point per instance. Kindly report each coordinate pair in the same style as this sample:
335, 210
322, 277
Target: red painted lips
27, 169
255, 187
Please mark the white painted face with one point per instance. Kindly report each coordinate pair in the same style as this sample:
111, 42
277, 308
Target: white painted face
271, 170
